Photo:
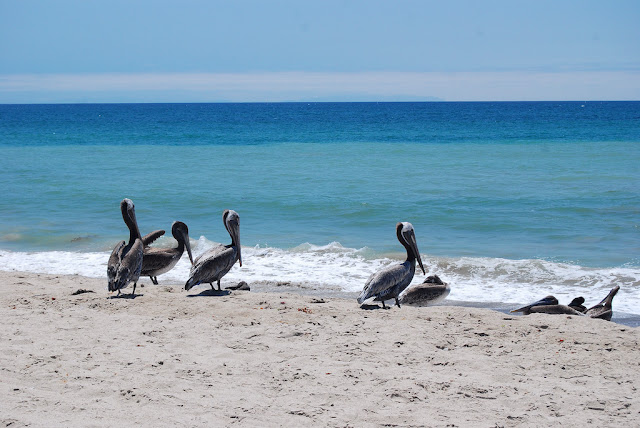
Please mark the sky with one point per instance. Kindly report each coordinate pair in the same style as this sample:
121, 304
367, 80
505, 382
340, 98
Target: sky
67, 51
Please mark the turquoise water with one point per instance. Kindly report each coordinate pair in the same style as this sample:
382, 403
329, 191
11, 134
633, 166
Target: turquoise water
550, 192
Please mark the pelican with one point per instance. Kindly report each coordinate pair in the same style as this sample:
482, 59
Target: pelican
547, 301
430, 292
603, 309
554, 310
389, 282
577, 304
216, 262
548, 305
157, 261
125, 262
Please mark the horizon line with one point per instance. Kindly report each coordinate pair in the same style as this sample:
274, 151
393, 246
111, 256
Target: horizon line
324, 102
366, 86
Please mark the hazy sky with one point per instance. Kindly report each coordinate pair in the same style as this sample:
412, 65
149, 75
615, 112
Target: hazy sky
250, 50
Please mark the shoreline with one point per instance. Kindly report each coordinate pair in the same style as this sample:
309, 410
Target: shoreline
279, 358
619, 317
625, 318
340, 273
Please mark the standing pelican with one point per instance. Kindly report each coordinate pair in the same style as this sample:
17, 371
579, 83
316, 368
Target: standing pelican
125, 262
216, 262
389, 282
157, 261
603, 310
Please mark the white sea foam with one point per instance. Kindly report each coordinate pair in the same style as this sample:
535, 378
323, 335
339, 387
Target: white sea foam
334, 268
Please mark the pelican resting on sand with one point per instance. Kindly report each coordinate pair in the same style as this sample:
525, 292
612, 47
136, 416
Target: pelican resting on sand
157, 261
430, 292
213, 264
389, 282
603, 310
547, 305
125, 262
577, 304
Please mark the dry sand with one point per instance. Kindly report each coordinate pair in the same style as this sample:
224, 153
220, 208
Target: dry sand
167, 358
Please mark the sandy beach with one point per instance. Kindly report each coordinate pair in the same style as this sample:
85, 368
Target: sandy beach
247, 358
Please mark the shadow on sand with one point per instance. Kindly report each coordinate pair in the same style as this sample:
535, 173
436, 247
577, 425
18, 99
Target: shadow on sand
126, 296
210, 293
372, 307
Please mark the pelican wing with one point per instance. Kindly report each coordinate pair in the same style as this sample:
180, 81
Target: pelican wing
601, 312
113, 264
211, 252
212, 265
158, 258
130, 265
384, 280
150, 237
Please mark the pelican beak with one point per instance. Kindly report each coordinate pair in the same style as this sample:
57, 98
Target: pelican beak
607, 300
187, 244
237, 233
231, 221
132, 216
420, 262
414, 246
234, 227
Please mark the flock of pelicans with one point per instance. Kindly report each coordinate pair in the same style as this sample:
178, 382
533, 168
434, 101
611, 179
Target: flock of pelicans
129, 261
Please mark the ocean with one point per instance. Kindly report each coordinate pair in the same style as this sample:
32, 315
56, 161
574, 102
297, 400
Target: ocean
510, 201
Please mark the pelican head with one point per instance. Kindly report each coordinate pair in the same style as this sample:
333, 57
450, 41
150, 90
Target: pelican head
180, 231
126, 207
407, 237
231, 221
129, 215
609, 299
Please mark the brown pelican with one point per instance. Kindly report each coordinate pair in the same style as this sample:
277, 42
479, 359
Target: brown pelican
125, 262
430, 292
577, 304
548, 305
216, 262
547, 301
603, 309
389, 282
554, 310
157, 261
